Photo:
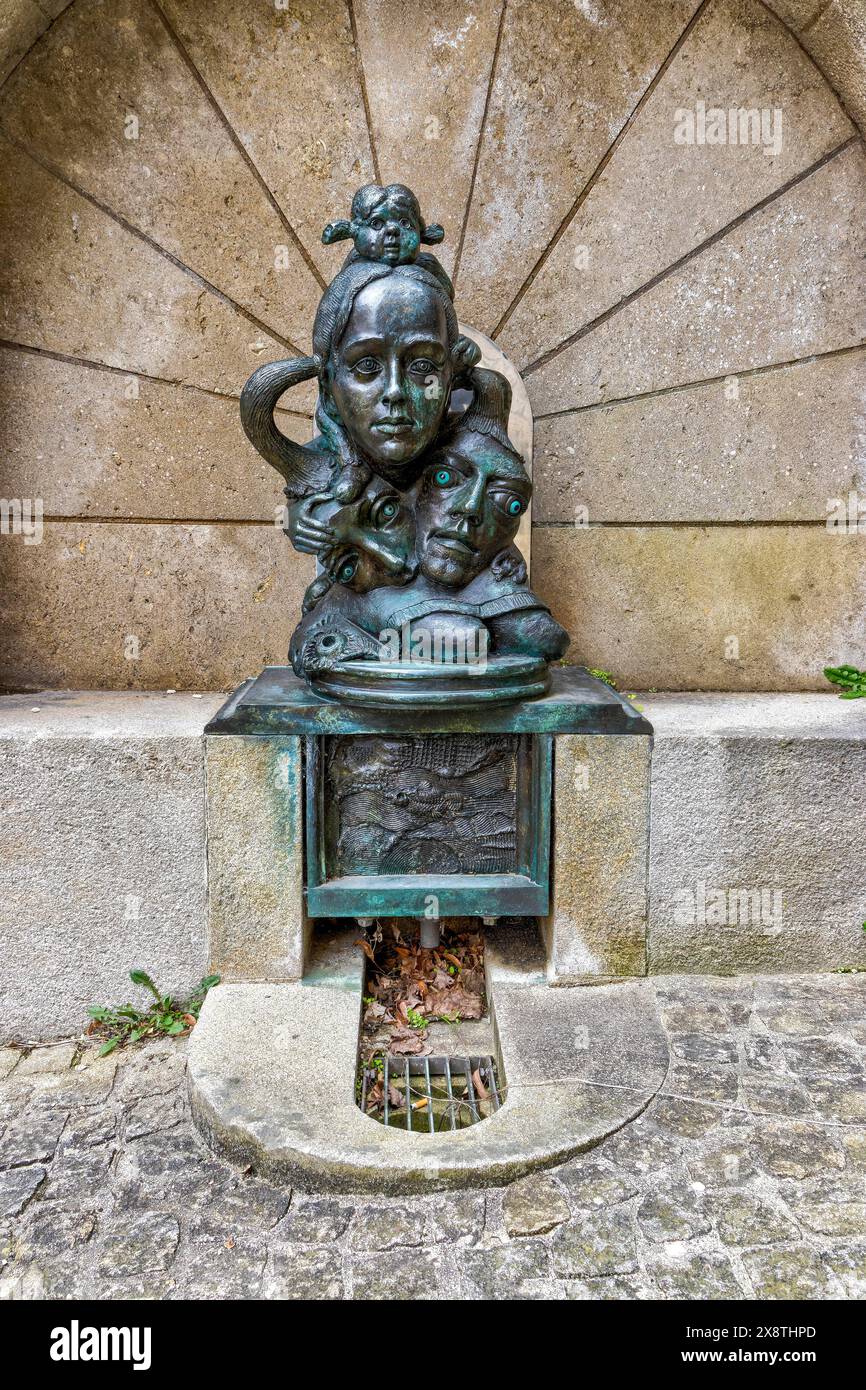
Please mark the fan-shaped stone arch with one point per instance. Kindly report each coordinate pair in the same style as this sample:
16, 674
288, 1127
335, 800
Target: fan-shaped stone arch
689, 318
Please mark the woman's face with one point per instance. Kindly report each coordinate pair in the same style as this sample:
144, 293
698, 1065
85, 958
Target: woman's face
390, 376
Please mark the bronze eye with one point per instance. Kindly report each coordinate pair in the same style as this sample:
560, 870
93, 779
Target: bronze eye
386, 510
444, 477
510, 503
377, 224
424, 367
347, 570
367, 366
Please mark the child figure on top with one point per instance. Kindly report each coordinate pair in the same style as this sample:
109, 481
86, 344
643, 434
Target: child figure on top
387, 226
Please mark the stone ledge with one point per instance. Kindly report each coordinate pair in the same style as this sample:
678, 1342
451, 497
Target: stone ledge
807, 715
109, 714
757, 815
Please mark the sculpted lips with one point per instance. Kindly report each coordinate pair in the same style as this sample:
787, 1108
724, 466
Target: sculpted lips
393, 425
453, 540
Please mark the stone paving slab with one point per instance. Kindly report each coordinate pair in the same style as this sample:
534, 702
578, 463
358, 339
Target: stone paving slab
745, 1177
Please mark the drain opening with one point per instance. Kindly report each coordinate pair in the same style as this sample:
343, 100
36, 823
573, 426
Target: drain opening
428, 1095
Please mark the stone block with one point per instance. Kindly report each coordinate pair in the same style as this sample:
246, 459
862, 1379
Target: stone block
784, 283
287, 80
565, 83
96, 443
193, 606
102, 854
797, 14
779, 449
258, 929
706, 607
75, 281
426, 76
597, 923
631, 225
21, 23
836, 39
176, 174
45, 1060
756, 849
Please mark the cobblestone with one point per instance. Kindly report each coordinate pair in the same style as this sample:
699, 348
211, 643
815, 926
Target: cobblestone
745, 1178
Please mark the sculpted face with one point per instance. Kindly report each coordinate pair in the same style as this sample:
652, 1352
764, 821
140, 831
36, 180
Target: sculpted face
469, 508
374, 540
390, 376
391, 234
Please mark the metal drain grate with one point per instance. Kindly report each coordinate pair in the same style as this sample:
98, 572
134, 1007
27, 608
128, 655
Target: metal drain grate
443, 1092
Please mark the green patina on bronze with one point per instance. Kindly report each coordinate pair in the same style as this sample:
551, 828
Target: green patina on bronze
421, 677
278, 703
409, 500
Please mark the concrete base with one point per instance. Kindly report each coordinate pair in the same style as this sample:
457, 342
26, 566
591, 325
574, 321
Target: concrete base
103, 837
598, 918
272, 1073
757, 855
257, 926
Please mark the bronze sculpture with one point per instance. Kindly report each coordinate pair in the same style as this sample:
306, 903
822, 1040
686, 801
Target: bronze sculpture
410, 505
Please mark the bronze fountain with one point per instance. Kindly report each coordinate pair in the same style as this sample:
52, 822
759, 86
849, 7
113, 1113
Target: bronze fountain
425, 680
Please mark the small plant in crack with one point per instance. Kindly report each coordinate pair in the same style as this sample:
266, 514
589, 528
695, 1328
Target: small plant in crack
166, 1015
851, 681
604, 676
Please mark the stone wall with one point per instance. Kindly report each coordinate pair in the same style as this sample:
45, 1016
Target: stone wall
103, 867
689, 317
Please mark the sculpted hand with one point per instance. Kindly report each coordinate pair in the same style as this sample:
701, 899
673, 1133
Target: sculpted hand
306, 532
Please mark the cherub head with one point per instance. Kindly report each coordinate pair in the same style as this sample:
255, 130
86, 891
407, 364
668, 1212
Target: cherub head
386, 225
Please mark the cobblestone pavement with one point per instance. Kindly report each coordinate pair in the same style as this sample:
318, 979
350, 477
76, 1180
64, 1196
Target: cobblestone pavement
745, 1177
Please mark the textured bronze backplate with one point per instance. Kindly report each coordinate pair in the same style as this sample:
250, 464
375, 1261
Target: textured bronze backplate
438, 803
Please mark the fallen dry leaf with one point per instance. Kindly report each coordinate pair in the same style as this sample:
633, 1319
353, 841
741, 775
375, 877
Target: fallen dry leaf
455, 1000
407, 1043
401, 977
